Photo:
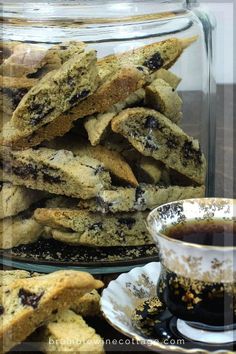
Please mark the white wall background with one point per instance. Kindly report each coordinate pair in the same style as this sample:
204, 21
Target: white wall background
224, 12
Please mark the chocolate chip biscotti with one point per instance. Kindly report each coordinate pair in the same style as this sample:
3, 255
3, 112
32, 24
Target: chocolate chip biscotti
14, 199
97, 126
9, 276
117, 88
111, 160
57, 92
29, 303
86, 306
55, 171
12, 90
82, 227
69, 333
152, 134
162, 97
23, 59
152, 56
172, 79
143, 197
19, 230
29, 60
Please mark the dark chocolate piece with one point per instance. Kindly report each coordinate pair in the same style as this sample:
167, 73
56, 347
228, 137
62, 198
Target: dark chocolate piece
27, 171
172, 142
129, 222
40, 112
29, 299
51, 179
155, 62
190, 153
74, 99
151, 122
1, 310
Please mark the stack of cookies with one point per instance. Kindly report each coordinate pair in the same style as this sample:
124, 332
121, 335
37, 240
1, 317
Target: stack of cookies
47, 312
99, 139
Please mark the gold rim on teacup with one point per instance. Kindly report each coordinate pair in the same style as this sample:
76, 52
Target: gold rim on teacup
196, 200
196, 261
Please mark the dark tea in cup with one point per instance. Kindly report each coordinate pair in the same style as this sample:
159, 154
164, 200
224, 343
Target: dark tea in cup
197, 243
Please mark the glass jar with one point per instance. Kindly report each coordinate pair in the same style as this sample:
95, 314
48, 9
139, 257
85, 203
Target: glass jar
111, 28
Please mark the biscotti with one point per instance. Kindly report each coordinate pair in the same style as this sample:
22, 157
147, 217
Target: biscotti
12, 90
9, 276
116, 89
69, 333
55, 171
172, 79
29, 303
111, 160
86, 306
97, 126
102, 239
82, 227
57, 91
144, 197
152, 134
14, 199
6, 49
27, 60
56, 56
152, 56
22, 60
19, 230
162, 97
15, 86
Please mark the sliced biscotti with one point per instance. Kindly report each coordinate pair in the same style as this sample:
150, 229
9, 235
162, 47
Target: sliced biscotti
69, 333
86, 306
19, 230
28, 303
14, 199
82, 227
103, 239
27, 60
152, 56
55, 171
117, 88
57, 91
152, 134
172, 79
56, 56
9, 276
12, 90
111, 160
163, 98
144, 197
97, 126
6, 49
23, 59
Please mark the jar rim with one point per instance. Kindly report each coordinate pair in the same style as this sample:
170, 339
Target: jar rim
85, 10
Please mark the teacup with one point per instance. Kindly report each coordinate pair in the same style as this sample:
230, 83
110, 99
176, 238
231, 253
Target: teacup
197, 281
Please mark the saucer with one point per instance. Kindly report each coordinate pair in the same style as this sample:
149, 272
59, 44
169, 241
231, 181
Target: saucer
125, 294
